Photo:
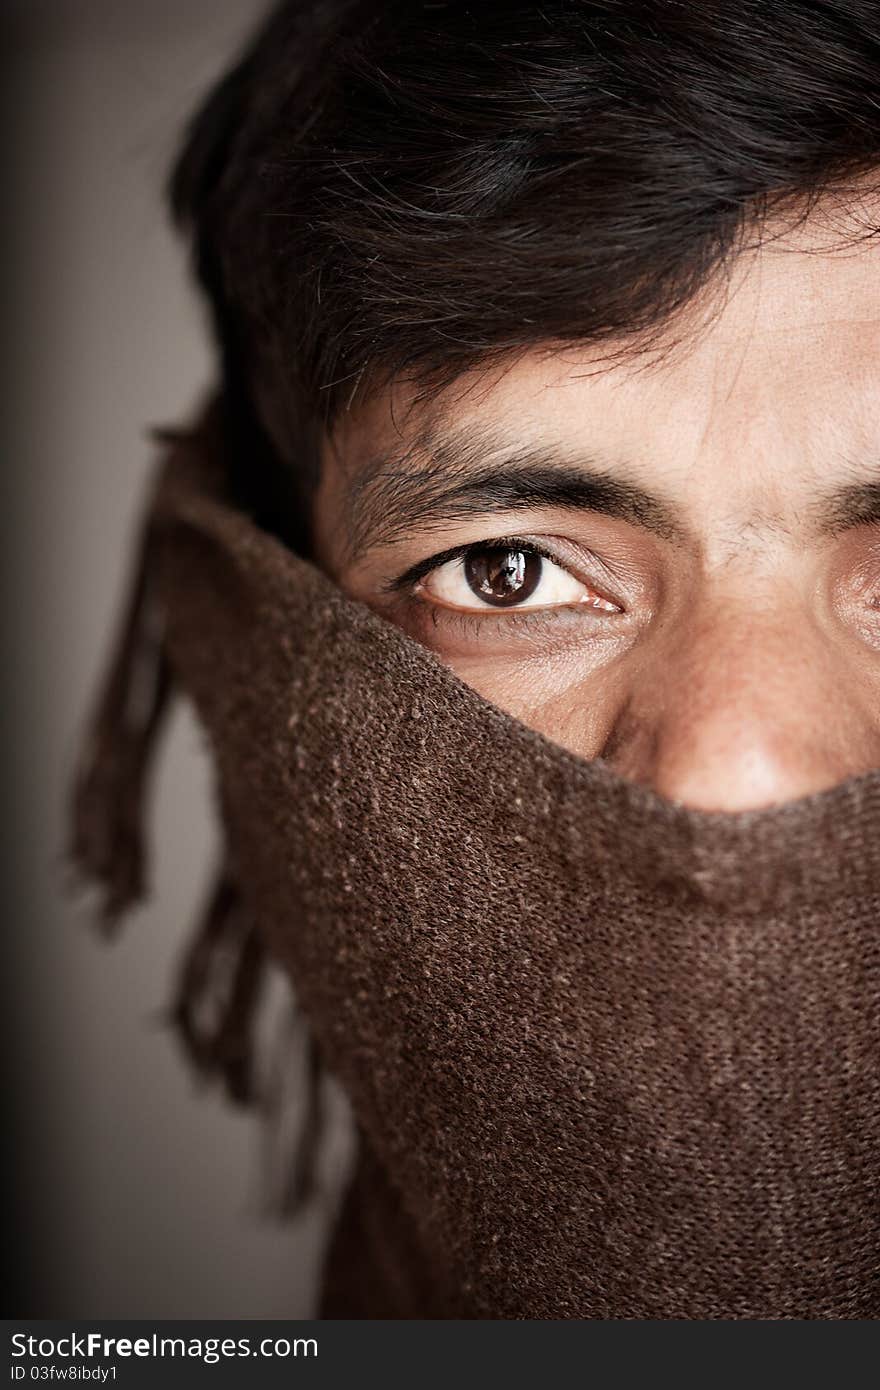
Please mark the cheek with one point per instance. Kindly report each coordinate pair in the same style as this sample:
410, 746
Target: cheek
570, 702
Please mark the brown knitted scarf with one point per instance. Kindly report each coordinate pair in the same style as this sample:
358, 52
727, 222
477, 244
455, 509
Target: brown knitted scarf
609, 1057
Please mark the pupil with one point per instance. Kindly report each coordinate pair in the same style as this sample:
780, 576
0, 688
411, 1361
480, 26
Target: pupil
502, 576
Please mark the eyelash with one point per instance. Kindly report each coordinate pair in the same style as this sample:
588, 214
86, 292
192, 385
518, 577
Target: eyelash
472, 623
407, 582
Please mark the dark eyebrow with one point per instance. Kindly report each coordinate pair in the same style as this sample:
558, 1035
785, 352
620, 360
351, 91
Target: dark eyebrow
856, 504
451, 477
457, 482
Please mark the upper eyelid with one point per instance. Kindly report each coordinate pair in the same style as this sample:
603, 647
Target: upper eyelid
433, 562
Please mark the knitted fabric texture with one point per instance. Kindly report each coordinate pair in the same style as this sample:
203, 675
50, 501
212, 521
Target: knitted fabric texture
609, 1057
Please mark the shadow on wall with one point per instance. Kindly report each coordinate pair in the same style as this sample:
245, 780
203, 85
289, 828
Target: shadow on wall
136, 1193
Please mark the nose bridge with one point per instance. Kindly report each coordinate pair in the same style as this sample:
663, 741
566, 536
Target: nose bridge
739, 708
738, 655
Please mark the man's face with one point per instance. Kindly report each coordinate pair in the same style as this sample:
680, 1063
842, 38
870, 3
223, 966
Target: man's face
673, 564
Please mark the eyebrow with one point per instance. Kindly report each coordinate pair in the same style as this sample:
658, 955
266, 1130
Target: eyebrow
459, 479
855, 504
447, 478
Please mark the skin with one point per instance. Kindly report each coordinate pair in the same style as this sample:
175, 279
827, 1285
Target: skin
710, 620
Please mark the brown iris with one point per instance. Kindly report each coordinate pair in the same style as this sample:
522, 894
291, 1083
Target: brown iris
502, 576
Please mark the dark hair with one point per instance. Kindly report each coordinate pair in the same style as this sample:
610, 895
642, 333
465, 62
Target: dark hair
411, 187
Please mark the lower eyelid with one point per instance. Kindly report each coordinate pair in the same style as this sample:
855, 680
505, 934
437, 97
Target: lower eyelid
474, 622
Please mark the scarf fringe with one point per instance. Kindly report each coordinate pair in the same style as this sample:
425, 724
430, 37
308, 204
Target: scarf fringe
106, 845
218, 993
215, 1012
217, 1001
296, 1119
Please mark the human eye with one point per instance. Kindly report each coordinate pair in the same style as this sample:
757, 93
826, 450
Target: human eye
502, 574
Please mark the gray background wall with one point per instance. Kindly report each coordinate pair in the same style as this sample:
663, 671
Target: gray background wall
143, 1190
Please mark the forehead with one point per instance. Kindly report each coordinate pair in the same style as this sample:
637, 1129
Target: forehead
777, 359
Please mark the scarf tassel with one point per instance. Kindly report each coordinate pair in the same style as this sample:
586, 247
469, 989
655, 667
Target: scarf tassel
215, 1006
106, 845
215, 1012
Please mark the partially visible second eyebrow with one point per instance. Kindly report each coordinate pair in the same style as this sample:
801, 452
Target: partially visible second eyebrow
394, 500
855, 504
